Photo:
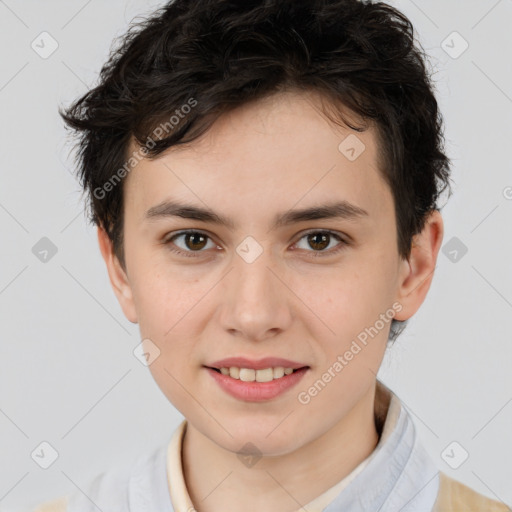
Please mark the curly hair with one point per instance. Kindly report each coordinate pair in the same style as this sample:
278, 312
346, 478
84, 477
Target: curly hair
212, 56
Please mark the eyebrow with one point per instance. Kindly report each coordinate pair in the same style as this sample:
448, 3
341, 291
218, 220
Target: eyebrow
337, 210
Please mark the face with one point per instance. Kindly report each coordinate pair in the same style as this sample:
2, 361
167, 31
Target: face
266, 282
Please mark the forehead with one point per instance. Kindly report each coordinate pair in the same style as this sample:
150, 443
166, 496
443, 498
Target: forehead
263, 157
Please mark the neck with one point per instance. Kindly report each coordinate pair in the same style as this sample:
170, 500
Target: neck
216, 480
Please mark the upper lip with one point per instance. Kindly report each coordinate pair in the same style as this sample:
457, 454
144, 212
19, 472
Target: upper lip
256, 364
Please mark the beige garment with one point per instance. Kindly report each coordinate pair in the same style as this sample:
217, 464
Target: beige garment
454, 496
58, 505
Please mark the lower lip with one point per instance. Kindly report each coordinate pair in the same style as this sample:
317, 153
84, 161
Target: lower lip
257, 391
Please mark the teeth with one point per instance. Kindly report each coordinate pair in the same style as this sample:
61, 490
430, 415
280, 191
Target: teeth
246, 374
251, 375
279, 372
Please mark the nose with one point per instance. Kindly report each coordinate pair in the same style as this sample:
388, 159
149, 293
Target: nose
255, 301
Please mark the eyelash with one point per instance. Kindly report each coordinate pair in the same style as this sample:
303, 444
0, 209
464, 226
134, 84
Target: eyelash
315, 254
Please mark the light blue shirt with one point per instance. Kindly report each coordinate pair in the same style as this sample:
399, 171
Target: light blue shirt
399, 477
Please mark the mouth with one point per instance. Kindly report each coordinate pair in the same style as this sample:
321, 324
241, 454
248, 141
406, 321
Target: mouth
251, 385
247, 369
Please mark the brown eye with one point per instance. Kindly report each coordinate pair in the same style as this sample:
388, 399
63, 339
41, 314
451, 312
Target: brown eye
195, 241
318, 241
187, 243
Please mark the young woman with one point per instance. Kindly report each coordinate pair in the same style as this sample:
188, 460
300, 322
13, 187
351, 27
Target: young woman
264, 176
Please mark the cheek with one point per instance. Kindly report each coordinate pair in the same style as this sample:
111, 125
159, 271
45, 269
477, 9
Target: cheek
169, 315
347, 300
166, 308
163, 295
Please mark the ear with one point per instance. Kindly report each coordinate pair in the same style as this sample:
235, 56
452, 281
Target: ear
418, 271
118, 277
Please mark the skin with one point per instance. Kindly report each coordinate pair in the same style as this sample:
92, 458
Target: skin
267, 157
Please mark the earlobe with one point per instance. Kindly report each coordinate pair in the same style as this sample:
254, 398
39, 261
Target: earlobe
117, 275
418, 271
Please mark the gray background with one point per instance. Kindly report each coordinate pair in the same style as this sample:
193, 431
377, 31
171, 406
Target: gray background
67, 372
